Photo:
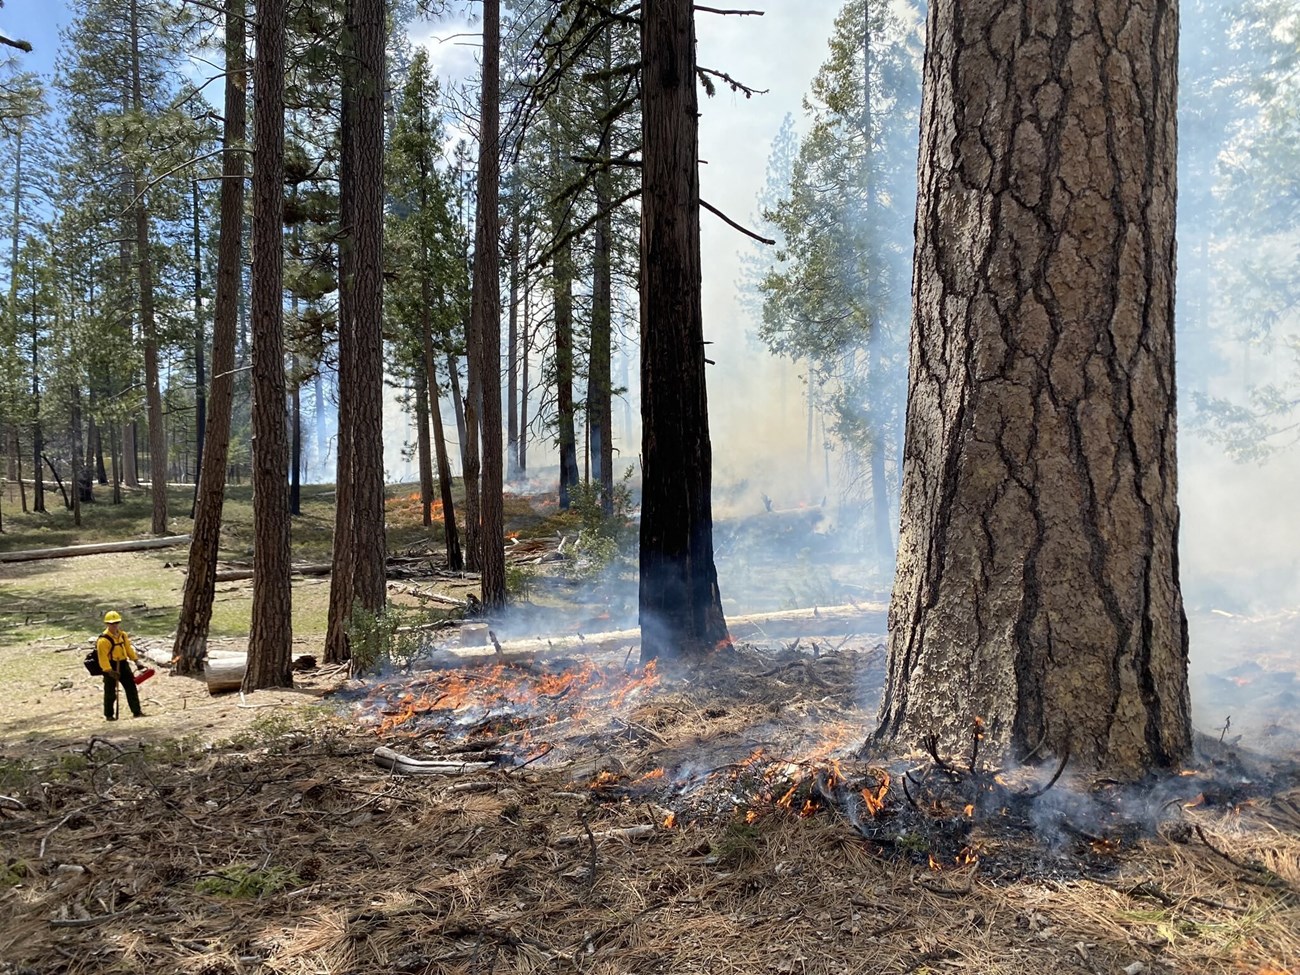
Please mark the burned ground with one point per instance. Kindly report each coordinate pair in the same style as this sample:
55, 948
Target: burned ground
592, 817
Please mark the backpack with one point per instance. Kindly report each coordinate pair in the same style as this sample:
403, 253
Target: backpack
92, 662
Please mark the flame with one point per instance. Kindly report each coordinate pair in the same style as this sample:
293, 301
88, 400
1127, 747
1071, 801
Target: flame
967, 857
752, 816
603, 779
969, 810
587, 687
934, 864
670, 820
876, 801
1200, 798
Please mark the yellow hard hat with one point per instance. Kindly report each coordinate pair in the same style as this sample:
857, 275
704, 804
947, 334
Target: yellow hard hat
112, 616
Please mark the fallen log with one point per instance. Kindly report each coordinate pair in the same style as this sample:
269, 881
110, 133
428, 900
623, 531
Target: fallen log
433, 597
224, 673
401, 764
223, 670
97, 548
306, 569
819, 621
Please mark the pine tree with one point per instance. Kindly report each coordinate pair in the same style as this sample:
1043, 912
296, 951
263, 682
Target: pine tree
1037, 585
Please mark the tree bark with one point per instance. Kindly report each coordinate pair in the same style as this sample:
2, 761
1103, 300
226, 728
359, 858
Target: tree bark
367, 221
200, 341
148, 325
600, 419
680, 605
562, 303
486, 304
512, 348
1037, 582
342, 579
190, 647
270, 635
451, 535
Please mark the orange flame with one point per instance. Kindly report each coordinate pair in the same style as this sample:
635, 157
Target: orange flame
876, 800
670, 820
934, 864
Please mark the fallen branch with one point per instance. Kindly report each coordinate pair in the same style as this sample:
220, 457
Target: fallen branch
86, 922
404, 765
624, 833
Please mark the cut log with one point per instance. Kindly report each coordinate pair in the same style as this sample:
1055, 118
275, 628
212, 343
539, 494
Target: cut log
224, 674
404, 765
98, 548
224, 670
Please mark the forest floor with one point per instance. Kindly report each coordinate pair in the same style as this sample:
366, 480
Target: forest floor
592, 817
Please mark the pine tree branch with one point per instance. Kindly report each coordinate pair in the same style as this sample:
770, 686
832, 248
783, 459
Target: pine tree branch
731, 82
729, 13
727, 220
24, 46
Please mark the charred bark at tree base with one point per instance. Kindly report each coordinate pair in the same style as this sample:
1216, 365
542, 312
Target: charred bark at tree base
680, 605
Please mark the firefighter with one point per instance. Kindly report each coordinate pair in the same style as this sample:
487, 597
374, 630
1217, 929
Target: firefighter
115, 652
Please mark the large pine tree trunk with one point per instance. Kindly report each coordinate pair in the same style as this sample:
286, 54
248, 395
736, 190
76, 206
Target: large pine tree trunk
367, 221
200, 341
270, 635
486, 308
342, 574
190, 647
148, 326
1037, 581
680, 606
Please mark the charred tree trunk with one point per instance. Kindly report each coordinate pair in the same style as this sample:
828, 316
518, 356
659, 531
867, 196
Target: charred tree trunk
486, 309
270, 636
680, 606
563, 305
525, 346
1037, 581
190, 647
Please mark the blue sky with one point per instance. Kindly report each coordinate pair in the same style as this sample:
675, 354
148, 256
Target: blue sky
37, 21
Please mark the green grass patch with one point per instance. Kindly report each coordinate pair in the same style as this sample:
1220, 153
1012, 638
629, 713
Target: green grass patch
244, 882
